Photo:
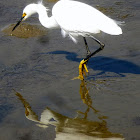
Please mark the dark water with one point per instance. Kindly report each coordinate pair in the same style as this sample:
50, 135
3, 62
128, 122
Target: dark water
38, 99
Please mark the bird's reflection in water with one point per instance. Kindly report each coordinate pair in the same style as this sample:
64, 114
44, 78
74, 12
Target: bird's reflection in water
85, 96
73, 128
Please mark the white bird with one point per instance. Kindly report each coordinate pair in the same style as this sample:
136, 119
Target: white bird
74, 19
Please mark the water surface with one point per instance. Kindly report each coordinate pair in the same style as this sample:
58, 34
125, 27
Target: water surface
38, 99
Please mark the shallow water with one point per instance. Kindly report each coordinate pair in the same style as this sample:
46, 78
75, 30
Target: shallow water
39, 99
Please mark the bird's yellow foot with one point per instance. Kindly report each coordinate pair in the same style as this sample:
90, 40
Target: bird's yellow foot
82, 70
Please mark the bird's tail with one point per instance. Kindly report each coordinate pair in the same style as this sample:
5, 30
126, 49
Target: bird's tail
112, 27
121, 23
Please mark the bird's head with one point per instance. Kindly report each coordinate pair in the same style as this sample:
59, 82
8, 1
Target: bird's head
27, 12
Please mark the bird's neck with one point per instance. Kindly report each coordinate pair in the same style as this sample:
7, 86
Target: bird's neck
48, 22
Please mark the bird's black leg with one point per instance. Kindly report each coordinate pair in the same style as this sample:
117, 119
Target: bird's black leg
102, 45
82, 66
87, 48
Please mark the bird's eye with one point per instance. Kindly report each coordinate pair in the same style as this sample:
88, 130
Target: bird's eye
24, 14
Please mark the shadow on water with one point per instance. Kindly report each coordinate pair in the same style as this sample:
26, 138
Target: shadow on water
78, 127
104, 64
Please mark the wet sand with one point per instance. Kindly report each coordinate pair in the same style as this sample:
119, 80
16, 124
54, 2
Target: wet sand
38, 98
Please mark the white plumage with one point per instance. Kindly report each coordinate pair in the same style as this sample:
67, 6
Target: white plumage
77, 17
74, 18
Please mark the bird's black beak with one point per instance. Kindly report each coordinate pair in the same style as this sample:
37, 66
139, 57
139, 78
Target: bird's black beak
19, 22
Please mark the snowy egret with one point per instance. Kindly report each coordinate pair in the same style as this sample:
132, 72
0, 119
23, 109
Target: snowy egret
74, 19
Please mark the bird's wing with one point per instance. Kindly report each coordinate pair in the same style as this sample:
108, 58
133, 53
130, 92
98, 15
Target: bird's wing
77, 17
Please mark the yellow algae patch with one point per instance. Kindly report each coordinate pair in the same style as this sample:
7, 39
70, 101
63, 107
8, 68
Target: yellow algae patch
25, 30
